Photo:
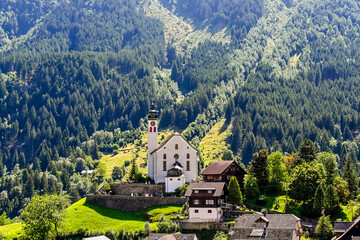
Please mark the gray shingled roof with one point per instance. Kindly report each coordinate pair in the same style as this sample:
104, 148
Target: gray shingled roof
342, 226
171, 236
343, 236
218, 186
276, 221
280, 227
271, 234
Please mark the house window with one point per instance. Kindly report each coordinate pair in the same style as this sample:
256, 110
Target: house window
154, 129
164, 157
196, 201
170, 179
164, 165
233, 169
150, 129
209, 211
209, 191
209, 202
196, 191
188, 155
179, 179
196, 211
187, 165
176, 156
176, 147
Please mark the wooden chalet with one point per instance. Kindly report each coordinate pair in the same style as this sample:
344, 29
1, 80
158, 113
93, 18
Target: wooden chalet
222, 171
205, 200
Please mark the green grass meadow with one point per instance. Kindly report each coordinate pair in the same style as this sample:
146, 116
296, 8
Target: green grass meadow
86, 216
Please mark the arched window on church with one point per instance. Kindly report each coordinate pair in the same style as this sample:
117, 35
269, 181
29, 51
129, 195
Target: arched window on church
150, 129
176, 147
188, 156
164, 157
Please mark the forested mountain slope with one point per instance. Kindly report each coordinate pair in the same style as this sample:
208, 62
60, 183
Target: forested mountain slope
77, 75
305, 86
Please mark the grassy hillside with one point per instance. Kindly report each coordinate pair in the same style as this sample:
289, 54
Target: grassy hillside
11, 231
137, 150
214, 143
180, 32
83, 215
86, 216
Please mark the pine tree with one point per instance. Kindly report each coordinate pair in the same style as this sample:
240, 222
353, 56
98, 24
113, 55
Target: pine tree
251, 187
29, 187
44, 184
307, 152
318, 199
235, 195
324, 228
259, 168
331, 200
134, 170
349, 175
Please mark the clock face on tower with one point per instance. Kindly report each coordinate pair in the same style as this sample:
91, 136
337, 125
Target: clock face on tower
152, 123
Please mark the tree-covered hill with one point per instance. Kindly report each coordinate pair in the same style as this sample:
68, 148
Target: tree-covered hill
78, 77
305, 86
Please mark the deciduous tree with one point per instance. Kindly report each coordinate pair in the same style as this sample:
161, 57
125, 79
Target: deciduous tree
43, 215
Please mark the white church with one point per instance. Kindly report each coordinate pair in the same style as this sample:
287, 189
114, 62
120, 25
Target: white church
173, 162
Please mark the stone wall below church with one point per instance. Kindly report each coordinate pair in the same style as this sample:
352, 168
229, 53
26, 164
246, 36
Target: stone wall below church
132, 204
136, 189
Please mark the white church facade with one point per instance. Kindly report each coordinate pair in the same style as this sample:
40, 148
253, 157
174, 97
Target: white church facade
174, 162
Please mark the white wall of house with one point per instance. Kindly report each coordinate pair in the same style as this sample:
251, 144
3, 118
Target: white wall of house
203, 213
158, 173
172, 183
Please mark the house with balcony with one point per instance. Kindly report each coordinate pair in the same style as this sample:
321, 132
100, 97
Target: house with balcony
205, 201
222, 171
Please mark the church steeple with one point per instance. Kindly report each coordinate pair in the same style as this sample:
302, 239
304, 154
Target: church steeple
152, 137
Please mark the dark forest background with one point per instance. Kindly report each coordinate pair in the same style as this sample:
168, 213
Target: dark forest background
72, 69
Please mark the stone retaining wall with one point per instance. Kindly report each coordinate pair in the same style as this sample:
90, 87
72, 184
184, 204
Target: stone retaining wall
132, 204
135, 189
189, 225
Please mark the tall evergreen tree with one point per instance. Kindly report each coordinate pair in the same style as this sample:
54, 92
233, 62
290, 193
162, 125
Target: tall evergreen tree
324, 227
134, 170
318, 199
349, 175
235, 195
259, 168
307, 152
331, 200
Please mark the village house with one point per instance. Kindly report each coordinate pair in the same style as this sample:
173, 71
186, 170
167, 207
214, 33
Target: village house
205, 201
347, 230
174, 162
268, 226
171, 236
222, 171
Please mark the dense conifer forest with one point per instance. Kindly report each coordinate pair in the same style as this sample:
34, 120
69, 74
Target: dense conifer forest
78, 78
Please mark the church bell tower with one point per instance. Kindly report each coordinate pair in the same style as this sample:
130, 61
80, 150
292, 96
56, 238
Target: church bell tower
152, 137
